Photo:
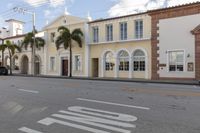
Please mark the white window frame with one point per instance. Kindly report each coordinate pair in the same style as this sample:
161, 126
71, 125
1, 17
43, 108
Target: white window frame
139, 59
123, 35
80, 67
184, 60
109, 32
108, 64
139, 34
54, 69
123, 60
95, 34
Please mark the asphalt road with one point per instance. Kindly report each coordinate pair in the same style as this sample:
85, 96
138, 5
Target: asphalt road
39, 105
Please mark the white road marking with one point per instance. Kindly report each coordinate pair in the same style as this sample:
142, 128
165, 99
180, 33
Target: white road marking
28, 130
116, 104
104, 114
30, 91
78, 117
48, 121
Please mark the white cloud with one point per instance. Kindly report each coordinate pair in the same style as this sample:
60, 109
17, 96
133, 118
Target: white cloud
52, 3
50, 15
124, 7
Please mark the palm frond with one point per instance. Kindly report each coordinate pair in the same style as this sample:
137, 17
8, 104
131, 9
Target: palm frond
40, 42
77, 32
77, 36
78, 39
63, 29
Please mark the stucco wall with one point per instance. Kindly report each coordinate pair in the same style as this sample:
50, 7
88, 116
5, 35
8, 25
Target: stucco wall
62, 53
116, 28
175, 34
98, 50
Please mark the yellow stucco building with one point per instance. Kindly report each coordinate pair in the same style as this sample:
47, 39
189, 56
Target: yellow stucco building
58, 60
117, 47
120, 47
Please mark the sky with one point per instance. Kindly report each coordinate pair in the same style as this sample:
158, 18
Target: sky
48, 10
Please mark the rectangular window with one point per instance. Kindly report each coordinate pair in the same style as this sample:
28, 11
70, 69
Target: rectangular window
95, 34
77, 63
139, 65
109, 66
138, 29
52, 37
52, 63
109, 32
123, 31
123, 65
176, 61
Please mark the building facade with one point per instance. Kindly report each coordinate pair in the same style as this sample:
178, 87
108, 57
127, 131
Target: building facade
21, 61
121, 47
157, 44
57, 61
175, 42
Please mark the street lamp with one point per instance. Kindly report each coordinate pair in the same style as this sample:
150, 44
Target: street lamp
22, 10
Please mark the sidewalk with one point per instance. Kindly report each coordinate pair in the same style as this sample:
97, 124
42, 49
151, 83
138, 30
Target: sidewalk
178, 82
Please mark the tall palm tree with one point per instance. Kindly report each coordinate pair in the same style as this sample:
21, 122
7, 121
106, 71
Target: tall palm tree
65, 39
29, 41
11, 50
2, 52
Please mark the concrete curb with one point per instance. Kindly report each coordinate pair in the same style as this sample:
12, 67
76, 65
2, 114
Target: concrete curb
177, 82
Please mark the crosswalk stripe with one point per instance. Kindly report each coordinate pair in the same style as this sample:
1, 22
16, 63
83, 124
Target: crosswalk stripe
28, 130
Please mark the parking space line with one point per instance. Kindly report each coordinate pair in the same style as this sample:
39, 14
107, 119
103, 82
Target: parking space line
30, 91
116, 104
28, 130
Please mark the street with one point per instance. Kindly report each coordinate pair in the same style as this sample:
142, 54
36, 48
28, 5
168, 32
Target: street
42, 105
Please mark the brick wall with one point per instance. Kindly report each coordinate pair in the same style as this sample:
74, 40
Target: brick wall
197, 56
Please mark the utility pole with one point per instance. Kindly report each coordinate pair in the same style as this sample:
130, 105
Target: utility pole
24, 11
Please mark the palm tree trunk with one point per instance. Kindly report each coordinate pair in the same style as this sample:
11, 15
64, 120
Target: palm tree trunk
2, 64
70, 61
2, 54
10, 63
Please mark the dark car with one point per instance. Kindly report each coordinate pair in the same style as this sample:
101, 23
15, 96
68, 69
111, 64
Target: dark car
3, 71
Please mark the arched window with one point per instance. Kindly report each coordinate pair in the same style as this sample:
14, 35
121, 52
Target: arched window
139, 60
123, 61
109, 61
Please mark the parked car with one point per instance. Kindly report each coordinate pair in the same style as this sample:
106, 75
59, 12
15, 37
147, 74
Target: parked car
3, 71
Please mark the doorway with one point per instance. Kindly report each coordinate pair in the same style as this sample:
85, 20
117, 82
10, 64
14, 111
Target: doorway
24, 65
95, 68
65, 67
37, 65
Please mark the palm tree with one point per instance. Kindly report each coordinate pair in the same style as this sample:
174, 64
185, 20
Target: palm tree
29, 41
66, 37
11, 50
2, 52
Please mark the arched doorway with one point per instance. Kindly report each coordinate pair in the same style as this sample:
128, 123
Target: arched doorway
15, 63
139, 62
109, 64
24, 65
37, 65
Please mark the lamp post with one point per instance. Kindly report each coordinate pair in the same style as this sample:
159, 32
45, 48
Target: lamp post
22, 10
